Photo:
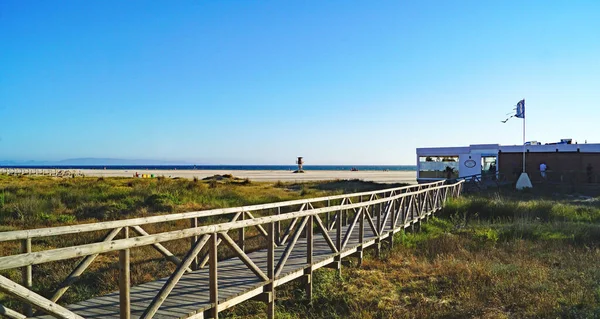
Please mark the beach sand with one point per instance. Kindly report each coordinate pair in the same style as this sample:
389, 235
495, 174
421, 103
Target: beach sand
268, 176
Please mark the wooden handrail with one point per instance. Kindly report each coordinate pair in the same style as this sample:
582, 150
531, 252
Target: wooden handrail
40, 257
81, 228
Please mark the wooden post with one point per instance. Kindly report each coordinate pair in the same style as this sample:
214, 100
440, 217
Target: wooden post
27, 275
242, 234
278, 228
328, 216
379, 228
213, 276
193, 240
361, 236
393, 212
309, 257
338, 244
270, 288
124, 280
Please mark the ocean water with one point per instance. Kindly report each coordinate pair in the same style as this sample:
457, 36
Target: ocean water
232, 167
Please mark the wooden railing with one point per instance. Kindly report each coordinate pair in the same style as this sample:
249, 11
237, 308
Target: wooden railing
40, 172
339, 220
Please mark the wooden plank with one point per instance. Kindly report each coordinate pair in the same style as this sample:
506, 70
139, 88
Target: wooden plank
7, 312
174, 279
271, 270
28, 296
193, 241
309, 256
26, 274
124, 281
213, 275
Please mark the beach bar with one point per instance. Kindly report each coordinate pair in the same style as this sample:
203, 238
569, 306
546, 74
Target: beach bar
566, 162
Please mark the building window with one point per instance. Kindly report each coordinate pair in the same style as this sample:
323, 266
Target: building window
438, 166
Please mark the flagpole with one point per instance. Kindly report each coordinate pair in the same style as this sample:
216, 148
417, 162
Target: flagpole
523, 144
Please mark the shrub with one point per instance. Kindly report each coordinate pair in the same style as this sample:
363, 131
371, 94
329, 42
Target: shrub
161, 202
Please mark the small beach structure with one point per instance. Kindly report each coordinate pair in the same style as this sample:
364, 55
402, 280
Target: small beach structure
300, 162
564, 161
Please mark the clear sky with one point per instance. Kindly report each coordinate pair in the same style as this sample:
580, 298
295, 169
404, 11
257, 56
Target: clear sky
261, 82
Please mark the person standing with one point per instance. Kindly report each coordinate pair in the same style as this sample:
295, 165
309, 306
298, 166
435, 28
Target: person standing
543, 168
589, 172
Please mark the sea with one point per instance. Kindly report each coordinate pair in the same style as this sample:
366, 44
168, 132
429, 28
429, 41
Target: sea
228, 167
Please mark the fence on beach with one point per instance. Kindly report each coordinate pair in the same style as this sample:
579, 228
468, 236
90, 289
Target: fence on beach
296, 238
40, 172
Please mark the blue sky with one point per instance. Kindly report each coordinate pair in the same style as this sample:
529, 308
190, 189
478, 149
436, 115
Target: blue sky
261, 82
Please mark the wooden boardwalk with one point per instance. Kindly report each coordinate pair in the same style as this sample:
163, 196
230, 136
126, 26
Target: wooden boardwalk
315, 238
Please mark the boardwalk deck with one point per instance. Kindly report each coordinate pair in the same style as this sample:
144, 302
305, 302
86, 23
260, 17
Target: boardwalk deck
369, 217
236, 282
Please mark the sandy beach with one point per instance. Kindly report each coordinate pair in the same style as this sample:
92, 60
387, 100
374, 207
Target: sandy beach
268, 176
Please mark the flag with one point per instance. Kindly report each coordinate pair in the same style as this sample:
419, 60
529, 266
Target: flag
521, 109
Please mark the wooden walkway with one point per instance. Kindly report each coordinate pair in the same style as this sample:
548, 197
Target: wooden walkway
315, 238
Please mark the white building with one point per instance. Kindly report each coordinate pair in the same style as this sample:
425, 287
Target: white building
435, 163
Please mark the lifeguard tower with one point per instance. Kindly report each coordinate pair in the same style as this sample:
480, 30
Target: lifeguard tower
299, 161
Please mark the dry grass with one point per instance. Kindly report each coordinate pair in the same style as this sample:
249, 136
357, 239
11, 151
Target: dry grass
34, 202
517, 266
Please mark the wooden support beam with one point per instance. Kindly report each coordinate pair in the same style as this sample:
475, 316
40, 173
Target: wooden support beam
243, 257
290, 247
288, 231
241, 235
193, 240
27, 275
270, 288
361, 236
81, 267
259, 227
207, 254
160, 248
371, 224
351, 228
278, 228
174, 279
27, 296
213, 276
309, 257
9, 313
325, 234
338, 244
124, 280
